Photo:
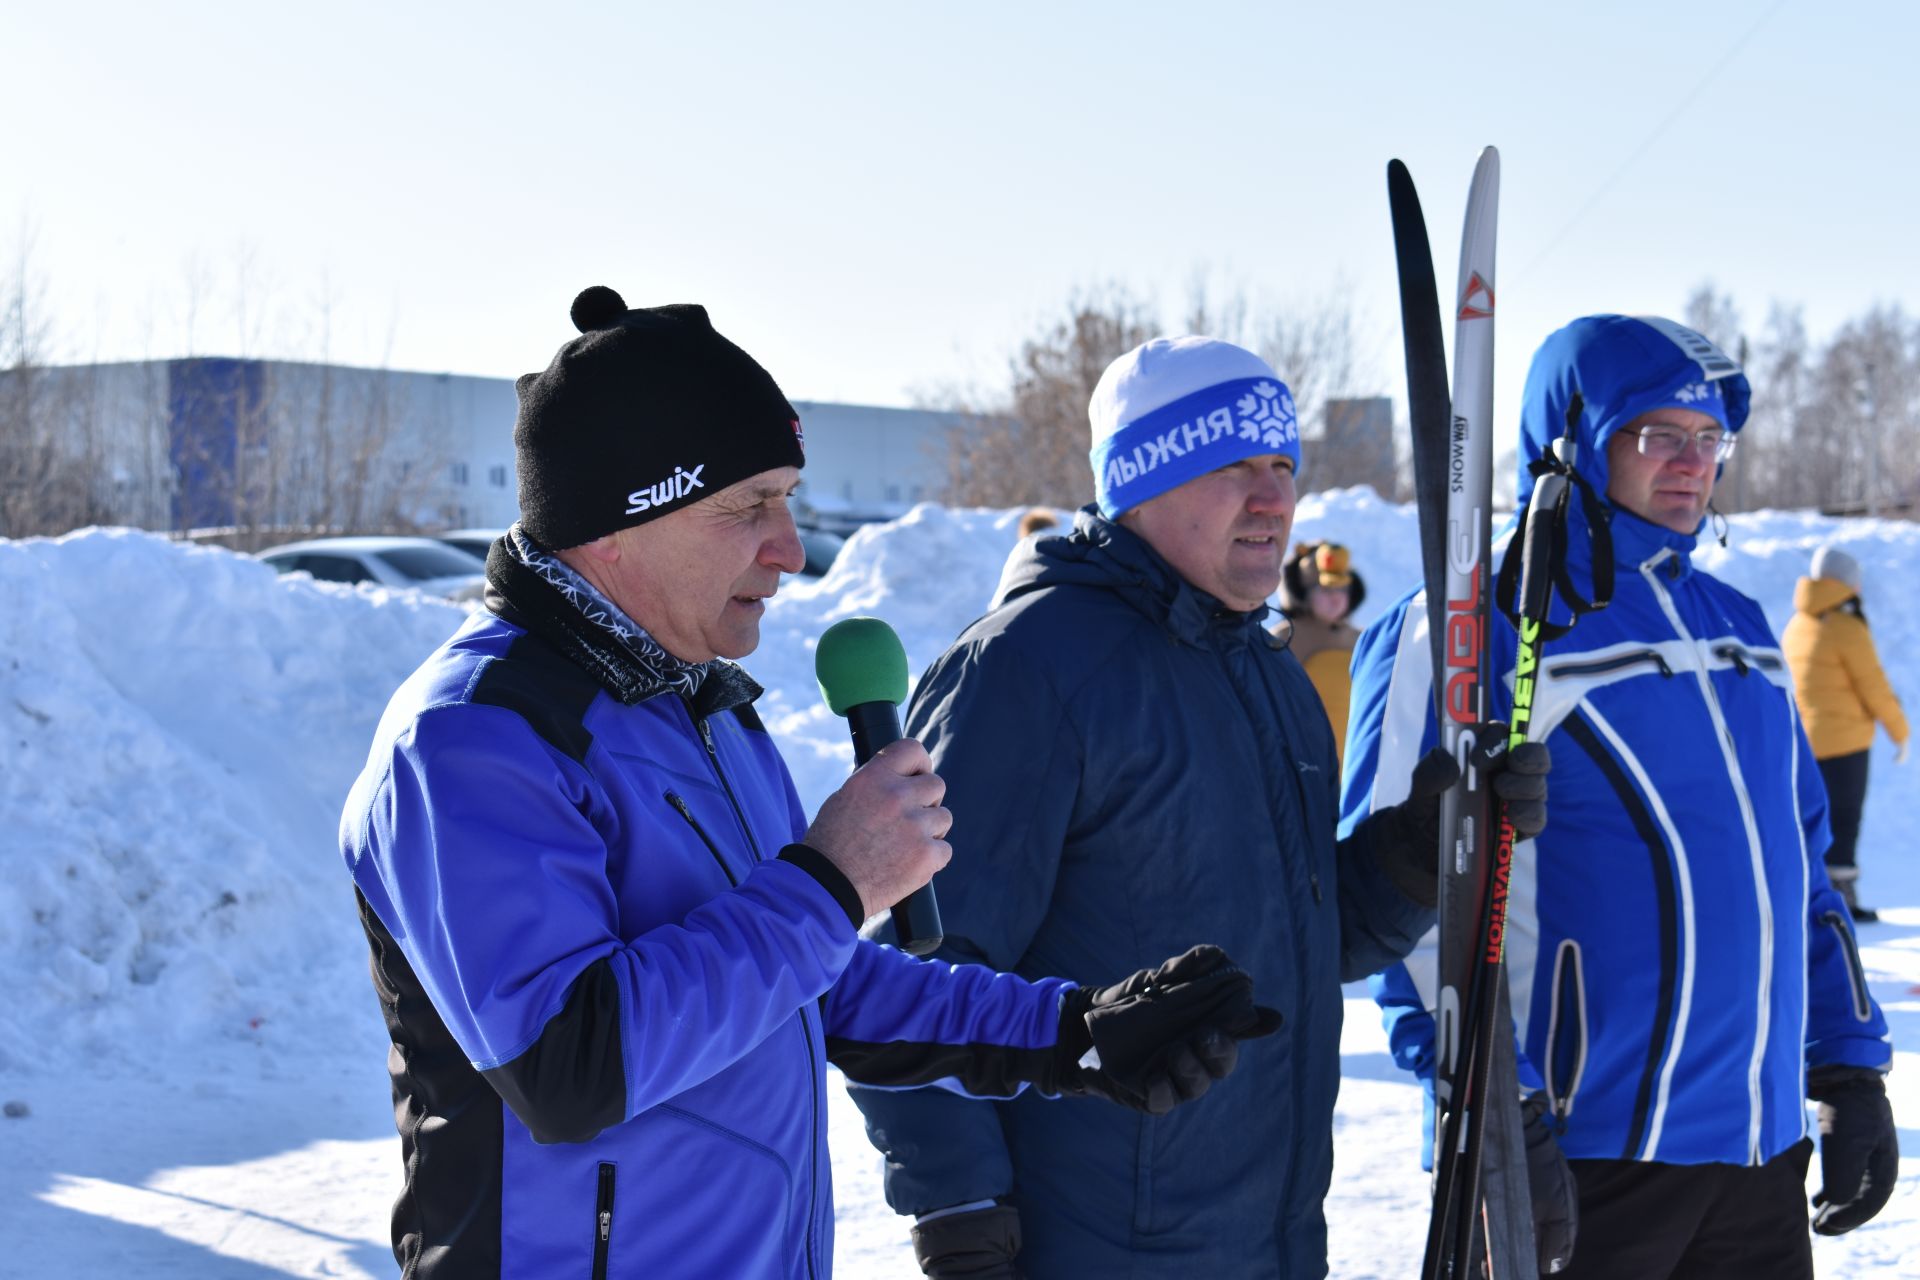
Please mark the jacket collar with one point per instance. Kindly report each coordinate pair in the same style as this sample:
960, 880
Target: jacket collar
533, 588
1639, 543
1104, 553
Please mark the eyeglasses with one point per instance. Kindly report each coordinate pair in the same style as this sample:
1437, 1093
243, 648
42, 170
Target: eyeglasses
1667, 443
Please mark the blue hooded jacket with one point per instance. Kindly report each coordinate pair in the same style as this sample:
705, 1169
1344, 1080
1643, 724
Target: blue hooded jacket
1134, 769
1676, 955
612, 977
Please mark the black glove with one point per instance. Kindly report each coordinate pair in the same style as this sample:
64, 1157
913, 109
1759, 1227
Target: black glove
1859, 1149
1163, 1036
979, 1244
1556, 1200
1520, 778
1405, 838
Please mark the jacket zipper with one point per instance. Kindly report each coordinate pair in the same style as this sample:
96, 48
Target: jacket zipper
806, 1031
1562, 670
1673, 938
1856, 976
603, 1221
1755, 856
1742, 658
674, 799
1298, 779
713, 758
1567, 1018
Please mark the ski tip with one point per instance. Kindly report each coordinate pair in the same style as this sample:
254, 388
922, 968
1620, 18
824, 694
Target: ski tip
1400, 184
1489, 158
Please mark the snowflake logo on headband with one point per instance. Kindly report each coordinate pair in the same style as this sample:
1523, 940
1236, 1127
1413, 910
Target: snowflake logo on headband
1267, 415
1694, 392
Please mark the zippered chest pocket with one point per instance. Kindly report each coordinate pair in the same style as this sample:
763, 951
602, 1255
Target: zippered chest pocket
1612, 665
1566, 1057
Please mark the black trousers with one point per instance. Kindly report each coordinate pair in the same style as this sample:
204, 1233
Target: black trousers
1846, 779
1641, 1221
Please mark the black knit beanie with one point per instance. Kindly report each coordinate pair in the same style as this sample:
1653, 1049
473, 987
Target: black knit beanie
646, 412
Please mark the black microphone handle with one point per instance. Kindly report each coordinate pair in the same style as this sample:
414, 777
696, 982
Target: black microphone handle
916, 918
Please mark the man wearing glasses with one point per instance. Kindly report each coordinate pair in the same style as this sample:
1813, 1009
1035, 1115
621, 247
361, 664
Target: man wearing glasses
1683, 974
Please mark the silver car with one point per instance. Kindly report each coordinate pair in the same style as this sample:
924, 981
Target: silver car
422, 564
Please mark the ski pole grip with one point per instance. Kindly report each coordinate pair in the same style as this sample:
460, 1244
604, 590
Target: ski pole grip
1544, 512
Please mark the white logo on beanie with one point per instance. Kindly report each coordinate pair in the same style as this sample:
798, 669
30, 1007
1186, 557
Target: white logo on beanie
678, 485
1266, 415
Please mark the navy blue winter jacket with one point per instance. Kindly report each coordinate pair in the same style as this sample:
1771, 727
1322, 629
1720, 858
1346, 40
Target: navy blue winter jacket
614, 981
1132, 770
1677, 956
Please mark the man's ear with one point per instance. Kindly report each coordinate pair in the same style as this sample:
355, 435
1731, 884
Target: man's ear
604, 550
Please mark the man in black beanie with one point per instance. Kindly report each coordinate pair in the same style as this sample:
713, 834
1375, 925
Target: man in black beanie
613, 956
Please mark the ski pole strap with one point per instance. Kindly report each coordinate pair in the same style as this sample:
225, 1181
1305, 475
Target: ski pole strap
1600, 530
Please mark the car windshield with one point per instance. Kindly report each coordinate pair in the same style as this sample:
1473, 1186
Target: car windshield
419, 563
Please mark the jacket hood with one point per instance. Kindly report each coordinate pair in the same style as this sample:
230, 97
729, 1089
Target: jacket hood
1103, 553
1817, 595
1622, 366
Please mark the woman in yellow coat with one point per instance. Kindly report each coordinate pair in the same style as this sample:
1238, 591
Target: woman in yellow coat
1842, 692
1318, 592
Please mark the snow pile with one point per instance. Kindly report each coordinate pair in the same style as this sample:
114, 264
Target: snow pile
178, 731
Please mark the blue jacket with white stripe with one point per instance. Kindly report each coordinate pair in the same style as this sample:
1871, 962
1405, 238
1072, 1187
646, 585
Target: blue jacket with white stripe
1677, 956
614, 981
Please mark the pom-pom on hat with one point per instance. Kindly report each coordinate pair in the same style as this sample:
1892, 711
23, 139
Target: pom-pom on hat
648, 411
1319, 564
1332, 565
1176, 408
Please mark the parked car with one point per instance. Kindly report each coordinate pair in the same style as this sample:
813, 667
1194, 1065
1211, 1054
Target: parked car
821, 548
424, 564
472, 541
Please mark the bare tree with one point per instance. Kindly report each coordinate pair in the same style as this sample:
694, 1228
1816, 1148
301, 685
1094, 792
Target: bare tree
1836, 427
1029, 445
53, 471
1868, 387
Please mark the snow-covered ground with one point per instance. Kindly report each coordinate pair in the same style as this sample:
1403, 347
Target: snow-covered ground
188, 1032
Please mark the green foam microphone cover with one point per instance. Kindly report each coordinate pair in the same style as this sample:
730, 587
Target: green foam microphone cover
860, 660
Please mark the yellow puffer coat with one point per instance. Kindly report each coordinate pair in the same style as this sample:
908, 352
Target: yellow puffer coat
1837, 678
1325, 649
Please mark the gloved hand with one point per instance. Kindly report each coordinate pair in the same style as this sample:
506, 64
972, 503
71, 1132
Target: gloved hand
1859, 1149
1160, 1037
1405, 838
974, 1244
1556, 1200
1520, 779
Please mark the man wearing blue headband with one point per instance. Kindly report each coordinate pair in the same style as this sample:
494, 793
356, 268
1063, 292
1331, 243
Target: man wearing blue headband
1682, 973
1132, 759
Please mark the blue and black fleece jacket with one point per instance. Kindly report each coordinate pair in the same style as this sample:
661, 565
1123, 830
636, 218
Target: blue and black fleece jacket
613, 976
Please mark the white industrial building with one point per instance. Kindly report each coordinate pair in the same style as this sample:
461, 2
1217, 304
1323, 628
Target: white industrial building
263, 450
216, 442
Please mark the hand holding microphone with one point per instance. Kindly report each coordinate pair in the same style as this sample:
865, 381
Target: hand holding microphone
885, 829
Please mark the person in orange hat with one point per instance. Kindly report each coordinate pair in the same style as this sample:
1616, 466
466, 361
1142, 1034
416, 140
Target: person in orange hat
1842, 693
1318, 593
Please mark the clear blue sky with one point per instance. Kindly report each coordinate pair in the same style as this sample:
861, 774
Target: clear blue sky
873, 198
